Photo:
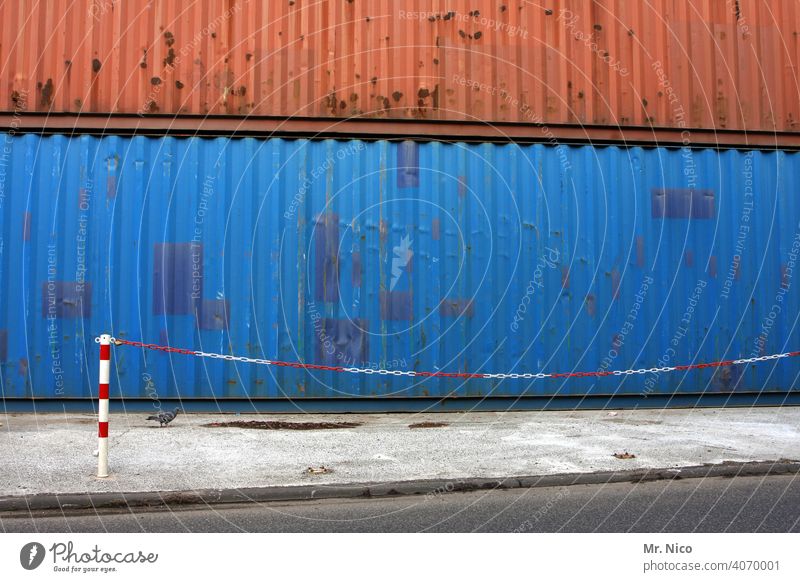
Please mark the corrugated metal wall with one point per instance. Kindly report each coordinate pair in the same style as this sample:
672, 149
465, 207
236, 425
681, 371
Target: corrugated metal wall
717, 64
416, 256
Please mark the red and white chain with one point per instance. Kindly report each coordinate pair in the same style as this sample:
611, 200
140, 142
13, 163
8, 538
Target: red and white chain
412, 373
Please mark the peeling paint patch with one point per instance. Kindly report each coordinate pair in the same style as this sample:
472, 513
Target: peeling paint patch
396, 305
177, 278
712, 266
342, 341
436, 226
726, 378
688, 258
3, 345
326, 258
456, 308
682, 203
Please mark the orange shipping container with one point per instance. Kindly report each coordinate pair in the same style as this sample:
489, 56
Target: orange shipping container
722, 64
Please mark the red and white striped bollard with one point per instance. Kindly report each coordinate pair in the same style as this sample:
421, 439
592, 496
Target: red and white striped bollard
102, 417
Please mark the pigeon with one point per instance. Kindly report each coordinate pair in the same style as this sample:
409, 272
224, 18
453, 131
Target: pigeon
164, 418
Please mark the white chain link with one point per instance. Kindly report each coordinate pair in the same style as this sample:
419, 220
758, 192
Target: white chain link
493, 376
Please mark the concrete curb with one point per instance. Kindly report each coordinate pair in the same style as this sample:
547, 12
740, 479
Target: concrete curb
426, 487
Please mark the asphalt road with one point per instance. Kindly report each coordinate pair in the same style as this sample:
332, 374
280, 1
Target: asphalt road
741, 504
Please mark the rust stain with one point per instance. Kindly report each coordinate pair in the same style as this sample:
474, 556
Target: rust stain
456, 308
111, 187
462, 186
18, 101
591, 305
640, 251
169, 60
615, 283
46, 92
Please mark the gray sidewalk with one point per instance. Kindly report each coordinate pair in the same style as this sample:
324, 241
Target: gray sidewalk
53, 454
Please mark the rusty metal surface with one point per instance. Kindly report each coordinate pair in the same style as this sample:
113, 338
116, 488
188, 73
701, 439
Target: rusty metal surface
667, 63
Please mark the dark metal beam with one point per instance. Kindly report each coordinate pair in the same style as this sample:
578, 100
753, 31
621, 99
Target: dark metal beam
373, 129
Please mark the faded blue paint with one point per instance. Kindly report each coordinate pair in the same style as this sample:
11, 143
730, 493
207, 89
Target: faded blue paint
452, 257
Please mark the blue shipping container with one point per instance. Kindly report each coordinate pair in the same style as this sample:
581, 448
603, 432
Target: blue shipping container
448, 257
